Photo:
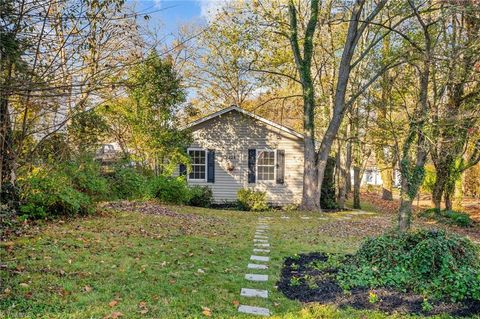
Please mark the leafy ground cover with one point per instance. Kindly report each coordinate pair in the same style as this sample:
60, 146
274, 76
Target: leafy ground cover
143, 260
314, 278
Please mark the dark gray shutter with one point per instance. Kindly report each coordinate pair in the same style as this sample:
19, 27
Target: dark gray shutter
280, 166
252, 157
182, 169
211, 166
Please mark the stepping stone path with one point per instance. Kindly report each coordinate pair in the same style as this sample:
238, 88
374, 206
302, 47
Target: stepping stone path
260, 240
255, 277
254, 310
259, 250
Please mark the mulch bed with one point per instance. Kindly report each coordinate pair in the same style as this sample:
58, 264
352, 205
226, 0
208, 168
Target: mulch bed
321, 286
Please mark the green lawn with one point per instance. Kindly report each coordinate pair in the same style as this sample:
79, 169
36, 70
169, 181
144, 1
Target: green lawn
134, 265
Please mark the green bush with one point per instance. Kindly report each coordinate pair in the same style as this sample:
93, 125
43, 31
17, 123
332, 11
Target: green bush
86, 177
52, 193
458, 218
173, 190
200, 196
127, 183
433, 263
251, 200
448, 217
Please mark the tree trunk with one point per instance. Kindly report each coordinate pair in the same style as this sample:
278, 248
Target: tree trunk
342, 173
405, 214
458, 193
8, 191
438, 188
339, 106
386, 172
348, 166
311, 186
356, 187
448, 201
309, 196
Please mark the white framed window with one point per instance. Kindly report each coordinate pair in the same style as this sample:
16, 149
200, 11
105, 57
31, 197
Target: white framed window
266, 160
199, 164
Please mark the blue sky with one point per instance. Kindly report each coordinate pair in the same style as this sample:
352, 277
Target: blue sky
170, 14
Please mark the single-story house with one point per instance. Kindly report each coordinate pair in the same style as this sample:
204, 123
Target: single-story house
234, 149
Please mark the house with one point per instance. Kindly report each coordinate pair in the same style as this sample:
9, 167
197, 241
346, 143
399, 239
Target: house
234, 149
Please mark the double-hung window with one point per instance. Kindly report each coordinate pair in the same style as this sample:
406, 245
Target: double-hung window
265, 165
199, 164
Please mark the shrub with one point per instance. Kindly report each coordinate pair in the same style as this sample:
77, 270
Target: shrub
433, 263
172, 190
86, 177
52, 193
200, 196
251, 200
448, 217
458, 218
127, 183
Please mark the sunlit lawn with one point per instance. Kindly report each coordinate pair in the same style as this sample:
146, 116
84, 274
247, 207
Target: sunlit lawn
134, 265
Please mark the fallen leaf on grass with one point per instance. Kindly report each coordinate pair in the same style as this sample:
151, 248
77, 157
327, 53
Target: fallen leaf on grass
23, 284
112, 303
87, 289
114, 315
236, 303
206, 312
143, 307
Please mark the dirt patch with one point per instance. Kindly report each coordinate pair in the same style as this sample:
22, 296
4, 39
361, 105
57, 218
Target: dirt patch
304, 278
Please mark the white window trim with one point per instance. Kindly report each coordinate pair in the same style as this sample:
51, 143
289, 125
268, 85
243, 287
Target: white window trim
206, 164
258, 150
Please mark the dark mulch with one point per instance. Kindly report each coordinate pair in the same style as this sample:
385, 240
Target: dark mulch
314, 285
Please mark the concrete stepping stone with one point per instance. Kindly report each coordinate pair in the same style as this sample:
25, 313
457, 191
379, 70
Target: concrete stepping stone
247, 292
257, 266
259, 311
285, 217
261, 245
259, 258
305, 217
262, 227
261, 240
322, 218
259, 250
256, 277
261, 236
260, 232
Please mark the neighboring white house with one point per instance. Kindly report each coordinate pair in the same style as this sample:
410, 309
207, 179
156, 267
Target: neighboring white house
236, 149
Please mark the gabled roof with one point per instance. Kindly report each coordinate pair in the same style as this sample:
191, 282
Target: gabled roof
236, 108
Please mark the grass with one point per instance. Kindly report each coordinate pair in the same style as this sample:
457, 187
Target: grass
134, 265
